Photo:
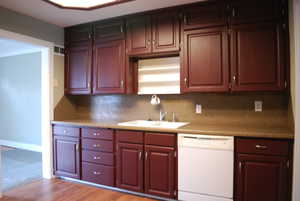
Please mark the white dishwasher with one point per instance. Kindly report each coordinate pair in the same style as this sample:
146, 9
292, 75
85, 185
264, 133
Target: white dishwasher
205, 168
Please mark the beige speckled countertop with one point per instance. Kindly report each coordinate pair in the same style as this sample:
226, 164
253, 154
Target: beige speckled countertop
226, 130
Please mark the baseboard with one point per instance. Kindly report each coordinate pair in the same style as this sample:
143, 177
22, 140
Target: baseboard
18, 145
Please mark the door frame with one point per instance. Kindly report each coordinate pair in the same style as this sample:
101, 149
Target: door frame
47, 113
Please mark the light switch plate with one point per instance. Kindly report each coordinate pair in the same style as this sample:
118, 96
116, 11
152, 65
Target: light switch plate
198, 109
258, 105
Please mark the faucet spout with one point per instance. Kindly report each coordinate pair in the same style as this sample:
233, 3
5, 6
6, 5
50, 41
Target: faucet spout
162, 115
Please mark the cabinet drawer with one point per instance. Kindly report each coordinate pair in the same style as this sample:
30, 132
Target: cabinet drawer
98, 174
66, 131
98, 145
262, 146
160, 139
98, 157
130, 136
97, 133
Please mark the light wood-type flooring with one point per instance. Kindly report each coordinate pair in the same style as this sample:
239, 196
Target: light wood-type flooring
60, 190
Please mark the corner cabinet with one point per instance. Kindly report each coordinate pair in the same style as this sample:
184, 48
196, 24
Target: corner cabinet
263, 170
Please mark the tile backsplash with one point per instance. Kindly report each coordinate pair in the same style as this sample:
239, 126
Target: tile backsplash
216, 108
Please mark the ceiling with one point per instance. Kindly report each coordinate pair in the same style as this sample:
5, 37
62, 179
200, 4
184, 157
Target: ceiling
63, 17
12, 47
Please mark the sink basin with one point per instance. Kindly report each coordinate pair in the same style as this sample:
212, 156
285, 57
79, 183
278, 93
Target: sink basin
153, 124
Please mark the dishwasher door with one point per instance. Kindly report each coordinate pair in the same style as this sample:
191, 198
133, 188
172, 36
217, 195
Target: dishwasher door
205, 168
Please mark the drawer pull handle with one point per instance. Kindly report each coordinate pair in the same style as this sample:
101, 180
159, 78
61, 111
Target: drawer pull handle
96, 145
263, 147
65, 131
96, 134
97, 158
97, 173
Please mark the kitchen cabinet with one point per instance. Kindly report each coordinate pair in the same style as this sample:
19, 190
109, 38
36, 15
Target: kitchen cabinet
245, 11
109, 67
258, 57
109, 30
66, 156
204, 15
98, 163
130, 167
160, 171
205, 60
262, 171
78, 68
153, 33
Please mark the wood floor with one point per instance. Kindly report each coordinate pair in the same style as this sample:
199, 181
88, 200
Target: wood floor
60, 190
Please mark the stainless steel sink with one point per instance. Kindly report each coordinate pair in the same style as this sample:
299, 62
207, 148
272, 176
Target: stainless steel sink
153, 124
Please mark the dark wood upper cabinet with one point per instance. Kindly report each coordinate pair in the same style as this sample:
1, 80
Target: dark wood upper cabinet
208, 14
109, 67
66, 156
165, 32
109, 30
78, 65
130, 167
261, 178
81, 33
160, 171
205, 60
258, 57
249, 11
139, 35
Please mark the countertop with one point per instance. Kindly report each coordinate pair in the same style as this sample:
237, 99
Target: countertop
194, 128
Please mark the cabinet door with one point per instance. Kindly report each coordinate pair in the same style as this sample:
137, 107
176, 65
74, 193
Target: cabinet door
109, 30
257, 57
130, 167
160, 171
261, 178
165, 32
206, 14
81, 33
205, 61
78, 68
139, 40
109, 67
245, 11
66, 157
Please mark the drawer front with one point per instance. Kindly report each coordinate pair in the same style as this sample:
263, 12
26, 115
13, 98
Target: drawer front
98, 157
97, 133
262, 146
98, 174
160, 139
130, 137
66, 131
98, 145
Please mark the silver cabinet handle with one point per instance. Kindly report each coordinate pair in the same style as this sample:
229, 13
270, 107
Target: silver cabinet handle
77, 147
96, 134
185, 81
96, 173
96, 145
65, 131
233, 12
140, 155
97, 157
240, 166
122, 84
121, 29
263, 147
149, 42
146, 155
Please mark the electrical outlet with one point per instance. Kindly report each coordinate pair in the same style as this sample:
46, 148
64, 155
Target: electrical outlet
198, 109
258, 106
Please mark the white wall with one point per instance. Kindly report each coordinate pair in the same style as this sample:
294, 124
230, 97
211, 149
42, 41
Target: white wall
296, 92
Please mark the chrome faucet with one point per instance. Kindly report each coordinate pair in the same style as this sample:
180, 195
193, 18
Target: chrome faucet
162, 115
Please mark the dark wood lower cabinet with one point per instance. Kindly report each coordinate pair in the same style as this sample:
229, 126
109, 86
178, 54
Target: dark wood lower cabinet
261, 178
66, 156
259, 174
160, 171
99, 174
130, 167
